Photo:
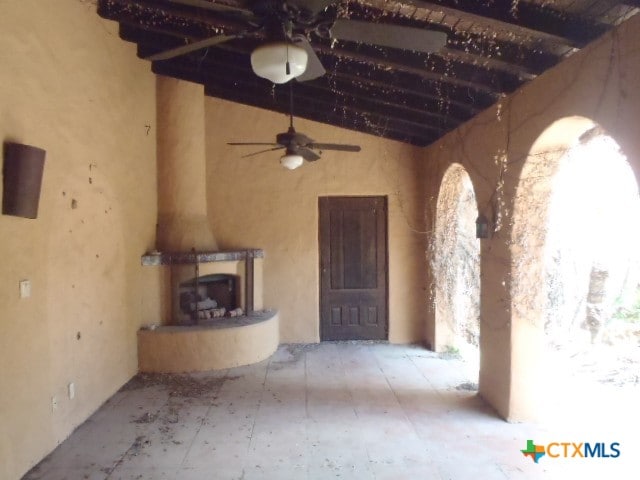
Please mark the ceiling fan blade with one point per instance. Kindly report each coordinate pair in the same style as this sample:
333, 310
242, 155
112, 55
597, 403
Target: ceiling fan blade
253, 143
334, 146
307, 154
263, 151
386, 35
217, 7
314, 66
191, 47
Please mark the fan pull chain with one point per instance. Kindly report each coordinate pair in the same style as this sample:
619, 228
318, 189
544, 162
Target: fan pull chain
287, 66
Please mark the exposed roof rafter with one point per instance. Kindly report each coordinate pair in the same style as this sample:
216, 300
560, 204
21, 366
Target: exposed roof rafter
493, 48
521, 17
309, 100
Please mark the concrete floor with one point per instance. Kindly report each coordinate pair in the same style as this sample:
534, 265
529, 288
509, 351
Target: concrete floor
333, 410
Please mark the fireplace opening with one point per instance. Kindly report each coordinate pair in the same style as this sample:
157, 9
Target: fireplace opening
210, 296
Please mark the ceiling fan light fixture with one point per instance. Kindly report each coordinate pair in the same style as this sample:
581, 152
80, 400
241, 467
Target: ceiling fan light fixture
291, 161
270, 61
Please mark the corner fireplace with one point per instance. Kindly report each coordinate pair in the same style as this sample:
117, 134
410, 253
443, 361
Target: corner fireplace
203, 280
192, 339
209, 286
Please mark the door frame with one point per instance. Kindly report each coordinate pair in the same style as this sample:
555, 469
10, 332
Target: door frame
385, 202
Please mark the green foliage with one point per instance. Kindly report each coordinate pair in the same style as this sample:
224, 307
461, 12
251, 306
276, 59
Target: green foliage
632, 312
452, 351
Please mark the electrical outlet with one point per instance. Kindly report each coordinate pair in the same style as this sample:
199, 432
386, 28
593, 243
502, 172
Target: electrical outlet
25, 288
72, 390
54, 403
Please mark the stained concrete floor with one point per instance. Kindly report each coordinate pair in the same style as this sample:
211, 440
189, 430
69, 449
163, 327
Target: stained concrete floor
333, 410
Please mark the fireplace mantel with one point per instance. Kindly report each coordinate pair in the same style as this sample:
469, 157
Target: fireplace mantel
189, 258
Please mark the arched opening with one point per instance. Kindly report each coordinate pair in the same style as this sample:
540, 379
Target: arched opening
576, 273
456, 265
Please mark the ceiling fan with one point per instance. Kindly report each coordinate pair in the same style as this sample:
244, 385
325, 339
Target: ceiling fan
298, 147
288, 25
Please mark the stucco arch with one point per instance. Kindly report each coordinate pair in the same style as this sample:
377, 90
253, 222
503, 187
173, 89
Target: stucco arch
455, 261
530, 211
529, 237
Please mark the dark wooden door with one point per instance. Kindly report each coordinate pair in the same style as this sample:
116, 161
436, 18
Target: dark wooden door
353, 268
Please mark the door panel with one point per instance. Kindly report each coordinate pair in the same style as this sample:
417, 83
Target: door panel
353, 268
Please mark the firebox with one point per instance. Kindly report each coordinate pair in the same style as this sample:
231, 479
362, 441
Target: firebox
211, 296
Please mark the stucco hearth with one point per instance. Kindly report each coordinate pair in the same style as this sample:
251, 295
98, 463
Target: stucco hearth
227, 343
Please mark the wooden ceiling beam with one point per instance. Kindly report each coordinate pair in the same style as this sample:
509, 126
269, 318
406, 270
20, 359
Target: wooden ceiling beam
440, 87
172, 18
533, 61
462, 76
333, 93
520, 72
528, 55
440, 95
356, 86
523, 18
263, 94
173, 11
469, 74
486, 83
262, 89
493, 47
631, 3
422, 99
345, 120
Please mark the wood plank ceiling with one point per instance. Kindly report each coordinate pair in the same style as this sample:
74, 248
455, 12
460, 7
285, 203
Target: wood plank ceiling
493, 48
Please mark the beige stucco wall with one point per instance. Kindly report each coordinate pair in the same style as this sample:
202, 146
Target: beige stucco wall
70, 86
254, 202
599, 83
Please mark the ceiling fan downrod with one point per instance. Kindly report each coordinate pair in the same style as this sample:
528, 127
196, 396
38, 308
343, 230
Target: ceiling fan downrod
291, 107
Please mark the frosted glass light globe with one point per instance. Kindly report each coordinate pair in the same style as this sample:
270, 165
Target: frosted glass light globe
270, 61
291, 161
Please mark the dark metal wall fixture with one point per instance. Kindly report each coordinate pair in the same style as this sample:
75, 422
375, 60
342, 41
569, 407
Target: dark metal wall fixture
22, 178
493, 47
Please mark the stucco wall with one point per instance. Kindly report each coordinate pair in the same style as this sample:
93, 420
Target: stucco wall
70, 86
255, 202
598, 83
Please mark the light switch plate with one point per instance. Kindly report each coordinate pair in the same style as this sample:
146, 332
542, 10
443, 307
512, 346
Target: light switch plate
25, 288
